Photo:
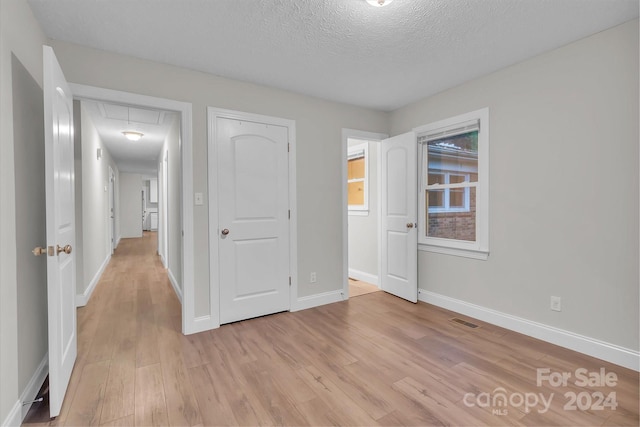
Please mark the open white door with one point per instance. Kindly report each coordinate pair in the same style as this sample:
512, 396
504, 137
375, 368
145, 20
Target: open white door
399, 263
61, 272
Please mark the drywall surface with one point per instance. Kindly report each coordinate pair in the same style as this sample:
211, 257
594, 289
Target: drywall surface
20, 35
95, 201
318, 150
174, 197
563, 192
363, 229
30, 205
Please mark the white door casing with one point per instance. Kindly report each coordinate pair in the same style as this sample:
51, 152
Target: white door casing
61, 272
253, 218
112, 210
399, 235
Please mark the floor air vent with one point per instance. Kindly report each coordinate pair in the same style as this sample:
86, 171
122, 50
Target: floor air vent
465, 323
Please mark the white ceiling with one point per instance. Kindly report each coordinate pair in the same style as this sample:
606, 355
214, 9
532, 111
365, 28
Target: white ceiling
341, 50
111, 120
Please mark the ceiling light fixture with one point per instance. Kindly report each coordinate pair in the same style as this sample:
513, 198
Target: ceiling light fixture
131, 135
379, 3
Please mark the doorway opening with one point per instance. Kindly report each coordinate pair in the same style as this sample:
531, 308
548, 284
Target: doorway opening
361, 216
134, 171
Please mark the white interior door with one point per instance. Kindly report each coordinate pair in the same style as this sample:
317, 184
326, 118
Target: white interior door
61, 272
253, 210
399, 264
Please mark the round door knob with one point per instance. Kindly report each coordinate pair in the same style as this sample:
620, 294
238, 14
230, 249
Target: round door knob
409, 225
66, 249
225, 231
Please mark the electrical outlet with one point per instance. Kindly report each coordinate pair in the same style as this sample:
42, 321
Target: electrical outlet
313, 278
556, 303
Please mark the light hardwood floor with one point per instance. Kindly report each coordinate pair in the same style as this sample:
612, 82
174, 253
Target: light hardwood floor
358, 288
374, 360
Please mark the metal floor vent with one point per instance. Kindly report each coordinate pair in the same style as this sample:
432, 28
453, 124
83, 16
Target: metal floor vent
465, 323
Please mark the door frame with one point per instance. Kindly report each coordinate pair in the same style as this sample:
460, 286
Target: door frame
112, 210
190, 324
213, 114
365, 136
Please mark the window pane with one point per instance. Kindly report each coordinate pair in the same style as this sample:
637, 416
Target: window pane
456, 198
436, 178
435, 199
455, 154
355, 193
454, 225
457, 179
355, 168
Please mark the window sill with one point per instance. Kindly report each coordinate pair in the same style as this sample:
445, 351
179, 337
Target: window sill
465, 253
359, 213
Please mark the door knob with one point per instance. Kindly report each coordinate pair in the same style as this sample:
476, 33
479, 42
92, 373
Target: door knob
409, 225
66, 249
225, 231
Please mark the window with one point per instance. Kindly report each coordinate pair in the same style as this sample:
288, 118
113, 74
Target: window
357, 178
454, 181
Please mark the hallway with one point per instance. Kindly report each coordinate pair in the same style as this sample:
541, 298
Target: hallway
125, 333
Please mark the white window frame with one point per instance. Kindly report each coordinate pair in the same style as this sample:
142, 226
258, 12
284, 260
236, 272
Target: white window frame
480, 248
353, 152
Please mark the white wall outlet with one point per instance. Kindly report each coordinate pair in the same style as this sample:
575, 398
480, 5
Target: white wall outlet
199, 199
313, 278
556, 303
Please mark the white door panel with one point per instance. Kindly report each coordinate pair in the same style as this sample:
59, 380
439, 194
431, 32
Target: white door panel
61, 273
399, 268
253, 208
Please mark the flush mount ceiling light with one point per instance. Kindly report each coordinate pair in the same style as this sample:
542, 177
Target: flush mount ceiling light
379, 3
132, 135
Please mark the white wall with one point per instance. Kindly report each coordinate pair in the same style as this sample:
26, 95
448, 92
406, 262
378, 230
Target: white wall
174, 201
319, 152
564, 188
96, 250
21, 35
130, 197
30, 222
363, 230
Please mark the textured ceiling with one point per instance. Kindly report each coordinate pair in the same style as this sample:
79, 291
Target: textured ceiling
341, 50
110, 120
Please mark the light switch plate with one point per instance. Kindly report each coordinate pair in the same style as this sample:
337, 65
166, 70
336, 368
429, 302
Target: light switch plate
199, 199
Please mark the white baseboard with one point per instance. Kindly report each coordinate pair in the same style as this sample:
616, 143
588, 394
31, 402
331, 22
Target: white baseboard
311, 301
163, 261
174, 283
33, 387
365, 277
83, 299
580, 343
118, 241
14, 418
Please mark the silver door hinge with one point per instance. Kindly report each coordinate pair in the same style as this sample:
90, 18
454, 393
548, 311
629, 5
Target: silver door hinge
289, 213
288, 148
289, 281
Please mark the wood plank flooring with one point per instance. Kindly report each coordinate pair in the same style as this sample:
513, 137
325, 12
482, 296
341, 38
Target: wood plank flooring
358, 287
373, 360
